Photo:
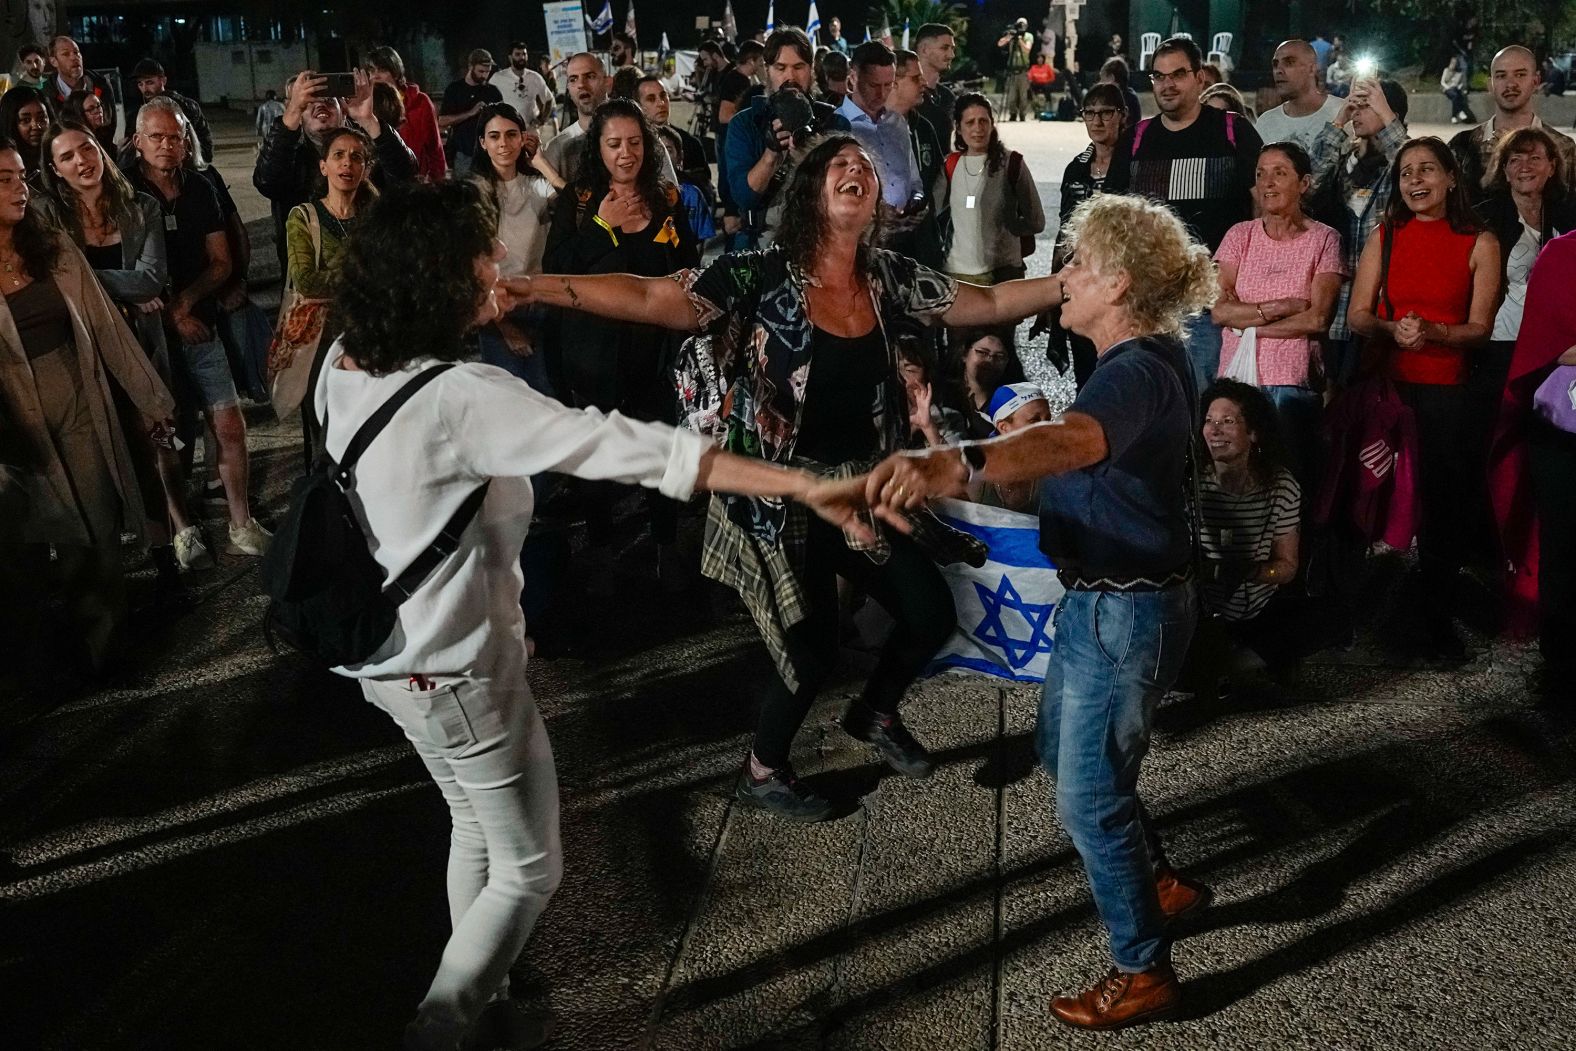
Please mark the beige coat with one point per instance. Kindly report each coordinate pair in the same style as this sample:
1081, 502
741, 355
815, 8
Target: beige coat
106, 348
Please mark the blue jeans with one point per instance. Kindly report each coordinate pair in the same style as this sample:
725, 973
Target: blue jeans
1201, 336
1299, 411
1115, 655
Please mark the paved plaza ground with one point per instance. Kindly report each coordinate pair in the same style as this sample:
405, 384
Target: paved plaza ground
233, 851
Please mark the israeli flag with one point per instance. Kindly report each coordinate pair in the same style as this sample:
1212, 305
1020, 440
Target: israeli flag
905, 33
771, 15
604, 19
1004, 607
813, 23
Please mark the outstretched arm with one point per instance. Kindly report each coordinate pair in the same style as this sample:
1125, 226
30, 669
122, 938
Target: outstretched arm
906, 480
1006, 303
619, 297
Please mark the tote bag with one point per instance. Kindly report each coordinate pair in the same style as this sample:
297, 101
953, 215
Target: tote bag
1555, 399
297, 335
1244, 365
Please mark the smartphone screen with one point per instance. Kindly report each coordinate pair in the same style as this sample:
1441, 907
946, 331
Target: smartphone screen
340, 85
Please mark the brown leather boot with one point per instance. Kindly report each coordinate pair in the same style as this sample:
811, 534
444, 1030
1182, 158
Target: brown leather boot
1120, 999
1178, 894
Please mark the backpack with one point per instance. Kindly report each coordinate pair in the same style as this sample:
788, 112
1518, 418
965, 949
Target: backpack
1026, 242
326, 592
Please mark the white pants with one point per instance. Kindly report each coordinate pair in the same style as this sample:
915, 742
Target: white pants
485, 745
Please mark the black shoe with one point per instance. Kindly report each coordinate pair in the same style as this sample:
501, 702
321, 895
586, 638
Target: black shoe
784, 795
891, 738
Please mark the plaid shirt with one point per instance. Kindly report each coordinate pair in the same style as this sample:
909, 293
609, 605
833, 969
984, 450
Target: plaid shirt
1332, 155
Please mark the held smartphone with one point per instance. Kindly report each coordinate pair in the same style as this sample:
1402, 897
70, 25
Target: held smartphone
339, 85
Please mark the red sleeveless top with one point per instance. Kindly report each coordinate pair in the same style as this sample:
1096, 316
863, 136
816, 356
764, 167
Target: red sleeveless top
1431, 273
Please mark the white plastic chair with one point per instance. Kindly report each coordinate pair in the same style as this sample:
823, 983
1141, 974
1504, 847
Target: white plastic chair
1148, 44
1221, 44
1184, 36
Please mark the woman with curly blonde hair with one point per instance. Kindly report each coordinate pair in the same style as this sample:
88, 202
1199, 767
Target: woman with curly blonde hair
1114, 519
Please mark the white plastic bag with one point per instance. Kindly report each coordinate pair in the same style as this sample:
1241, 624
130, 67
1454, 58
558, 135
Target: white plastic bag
1244, 365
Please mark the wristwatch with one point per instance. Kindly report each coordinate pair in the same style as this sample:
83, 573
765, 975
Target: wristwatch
973, 458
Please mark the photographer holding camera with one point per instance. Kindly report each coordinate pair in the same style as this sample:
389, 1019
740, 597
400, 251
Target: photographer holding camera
766, 141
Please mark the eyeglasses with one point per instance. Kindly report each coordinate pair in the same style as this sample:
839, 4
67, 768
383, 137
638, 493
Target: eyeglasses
1100, 114
1176, 76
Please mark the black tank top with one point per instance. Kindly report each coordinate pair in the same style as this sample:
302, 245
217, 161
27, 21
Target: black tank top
840, 401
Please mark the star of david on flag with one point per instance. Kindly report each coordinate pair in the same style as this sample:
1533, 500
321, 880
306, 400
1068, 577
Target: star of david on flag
1005, 607
603, 20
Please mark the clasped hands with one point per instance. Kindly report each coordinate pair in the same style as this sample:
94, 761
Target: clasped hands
901, 483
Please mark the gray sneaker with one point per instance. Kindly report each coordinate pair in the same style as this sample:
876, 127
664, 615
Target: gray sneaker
784, 795
249, 539
190, 551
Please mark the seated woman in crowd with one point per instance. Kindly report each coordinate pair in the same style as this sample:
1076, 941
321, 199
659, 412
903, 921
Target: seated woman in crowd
1423, 315
932, 419
987, 196
1250, 509
1105, 115
987, 359
1528, 204
23, 121
519, 182
70, 350
121, 233
1280, 275
1227, 98
452, 674
802, 336
620, 216
1534, 461
87, 109
316, 234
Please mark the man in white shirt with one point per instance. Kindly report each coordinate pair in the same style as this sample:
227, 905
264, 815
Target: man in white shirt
524, 88
588, 84
1304, 109
880, 130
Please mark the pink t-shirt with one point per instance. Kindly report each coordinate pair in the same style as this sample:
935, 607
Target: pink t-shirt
1270, 269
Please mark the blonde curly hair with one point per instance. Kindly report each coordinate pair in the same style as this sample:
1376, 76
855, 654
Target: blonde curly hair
1170, 275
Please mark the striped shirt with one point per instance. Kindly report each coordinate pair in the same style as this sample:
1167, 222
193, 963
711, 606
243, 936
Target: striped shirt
1243, 528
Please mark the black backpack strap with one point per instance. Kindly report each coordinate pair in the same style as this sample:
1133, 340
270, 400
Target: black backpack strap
447, 540
378, 420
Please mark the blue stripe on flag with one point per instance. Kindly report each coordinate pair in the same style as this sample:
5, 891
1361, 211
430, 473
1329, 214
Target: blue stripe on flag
979, 664
1009, 546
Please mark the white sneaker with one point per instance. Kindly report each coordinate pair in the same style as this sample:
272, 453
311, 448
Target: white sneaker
190, 551
249, 538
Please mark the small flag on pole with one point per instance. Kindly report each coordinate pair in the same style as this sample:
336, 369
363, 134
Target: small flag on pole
813, 23
604, 19
771, 15
905, 32
730, 25
629, 22
867, 34
663, 48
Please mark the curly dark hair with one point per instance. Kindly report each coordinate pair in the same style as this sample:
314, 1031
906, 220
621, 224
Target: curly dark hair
366, 191
1258, 416
408, 287
36, 243
995, 152
801, 237
1458, 207
649, 181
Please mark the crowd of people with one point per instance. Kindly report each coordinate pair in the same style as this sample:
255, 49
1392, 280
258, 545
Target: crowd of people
1294, 336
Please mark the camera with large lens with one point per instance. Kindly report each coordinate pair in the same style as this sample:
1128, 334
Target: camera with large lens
791, 109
